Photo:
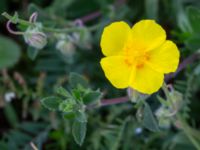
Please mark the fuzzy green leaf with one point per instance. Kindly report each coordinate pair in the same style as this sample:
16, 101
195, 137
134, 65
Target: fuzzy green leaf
76, 80
81, 116
91, 97
32, 52
51, 103
67, 105
62, 91
9, 52
79, 131
69, 115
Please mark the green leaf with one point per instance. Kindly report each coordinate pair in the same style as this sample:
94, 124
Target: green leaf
69, 115
81, 116
193, 42
163, 101
15, 18
9, 52
62, 91
77, 94
75, 80
11, 115
149, 121
194, 18
91, 97
32, 52
52, 102
182, 18
79, 131
67, 105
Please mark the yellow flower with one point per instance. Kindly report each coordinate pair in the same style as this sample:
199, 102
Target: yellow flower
137, 57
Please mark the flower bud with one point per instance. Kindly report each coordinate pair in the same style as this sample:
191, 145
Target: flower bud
135, 96
177, 99
67, 48
35, 37
163, 116
83, 38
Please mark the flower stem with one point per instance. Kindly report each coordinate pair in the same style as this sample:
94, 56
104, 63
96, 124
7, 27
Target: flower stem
21, 21
48, 29
113, 101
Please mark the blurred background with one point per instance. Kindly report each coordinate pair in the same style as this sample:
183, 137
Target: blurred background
28, 73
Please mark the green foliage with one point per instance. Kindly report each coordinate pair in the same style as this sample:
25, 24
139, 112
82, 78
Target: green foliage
194, 18
62, 92
32, 53
11, 115
193, 14
92, 97
26, 132
54, 107
51, 103
79, 131
73, 104
10, 52
149, 120
76, 80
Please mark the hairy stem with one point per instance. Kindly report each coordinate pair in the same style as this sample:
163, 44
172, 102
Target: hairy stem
48, 29
113, 101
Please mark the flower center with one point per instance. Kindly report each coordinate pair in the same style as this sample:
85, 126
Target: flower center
135, 57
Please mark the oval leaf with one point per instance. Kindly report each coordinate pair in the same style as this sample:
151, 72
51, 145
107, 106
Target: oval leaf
75, 80
79, 132
91, 97
9, 52
149, 121
51, 103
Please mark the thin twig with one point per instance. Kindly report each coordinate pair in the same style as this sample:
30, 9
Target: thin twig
106, 102
90, 16
97, 14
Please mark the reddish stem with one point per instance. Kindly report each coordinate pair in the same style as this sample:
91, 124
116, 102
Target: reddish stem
97, 14
106, 102
90, 16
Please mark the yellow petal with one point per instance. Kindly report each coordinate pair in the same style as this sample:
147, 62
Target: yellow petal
165, 59
116, 71
146, 80
113, 38
148, 35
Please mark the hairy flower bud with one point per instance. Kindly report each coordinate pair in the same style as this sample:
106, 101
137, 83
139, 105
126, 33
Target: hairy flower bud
35, 37
135, 96
67, 48
83, 38
163, 116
